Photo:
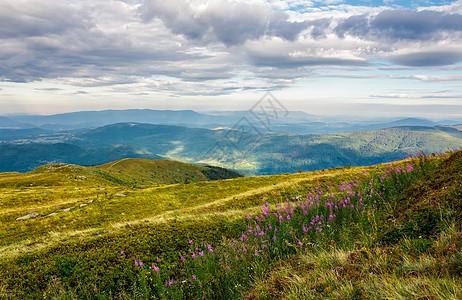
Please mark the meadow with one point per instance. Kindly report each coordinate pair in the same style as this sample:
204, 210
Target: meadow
391, 230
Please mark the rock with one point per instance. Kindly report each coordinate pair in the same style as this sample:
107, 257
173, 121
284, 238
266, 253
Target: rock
119, 195
31, 215
90, 201
76, 189
67, 209
102, 189
52, 214
83, 204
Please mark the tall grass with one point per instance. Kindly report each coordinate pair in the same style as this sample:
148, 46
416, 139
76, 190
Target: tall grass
325, 218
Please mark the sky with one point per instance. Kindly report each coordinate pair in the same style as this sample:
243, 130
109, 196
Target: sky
362, 58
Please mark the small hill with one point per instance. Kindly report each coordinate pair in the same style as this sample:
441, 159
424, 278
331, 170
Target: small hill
27, 157
125, 172
458, 127
132, 171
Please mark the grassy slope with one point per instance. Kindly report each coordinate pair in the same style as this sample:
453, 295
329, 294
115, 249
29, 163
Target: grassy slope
416, 253
163, 215
154, 172
54, 254
52, 188
98, 193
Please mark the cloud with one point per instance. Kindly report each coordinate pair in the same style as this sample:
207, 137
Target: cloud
110, 40
227, 22
303, 53
396, 25
21, 18
49, 89
415, 96
427, 59
435, 78
296, 62
217, 47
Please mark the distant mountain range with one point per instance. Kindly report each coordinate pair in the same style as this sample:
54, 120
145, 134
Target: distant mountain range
268, 121
246, 151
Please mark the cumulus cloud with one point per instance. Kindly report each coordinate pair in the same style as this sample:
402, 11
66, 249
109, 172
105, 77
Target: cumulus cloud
86, 39
22, 18
201, 47
228, 22
397, 25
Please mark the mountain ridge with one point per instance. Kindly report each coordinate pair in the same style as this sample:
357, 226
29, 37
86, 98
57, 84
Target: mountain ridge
278, 121
251, 153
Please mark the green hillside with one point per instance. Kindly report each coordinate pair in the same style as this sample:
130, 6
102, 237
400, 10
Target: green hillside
152, 172
249, 153
125, 172
398, 234
254, 154
290, 153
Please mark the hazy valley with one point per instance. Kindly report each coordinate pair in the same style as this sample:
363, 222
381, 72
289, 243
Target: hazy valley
242, 147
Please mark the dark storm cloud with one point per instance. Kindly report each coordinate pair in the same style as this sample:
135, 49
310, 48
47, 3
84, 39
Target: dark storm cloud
229, 23
396, 25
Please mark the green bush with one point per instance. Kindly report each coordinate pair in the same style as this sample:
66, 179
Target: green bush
65, 265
